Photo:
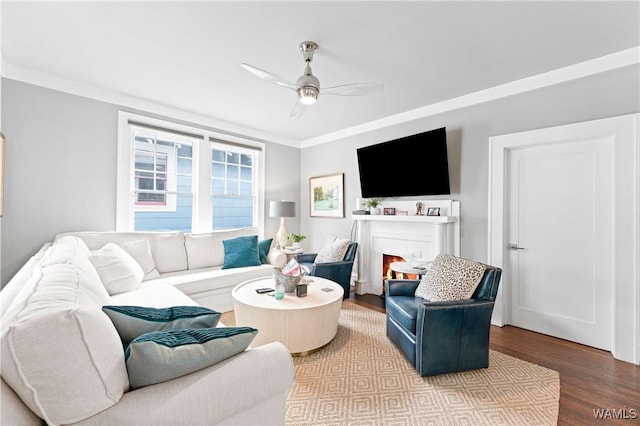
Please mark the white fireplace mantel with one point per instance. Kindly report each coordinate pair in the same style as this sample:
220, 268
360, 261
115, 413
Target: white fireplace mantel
408, 236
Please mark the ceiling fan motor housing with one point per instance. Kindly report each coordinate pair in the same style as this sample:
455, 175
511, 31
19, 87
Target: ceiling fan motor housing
308, 87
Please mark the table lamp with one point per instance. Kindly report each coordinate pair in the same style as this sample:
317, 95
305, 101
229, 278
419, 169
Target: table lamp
282, 209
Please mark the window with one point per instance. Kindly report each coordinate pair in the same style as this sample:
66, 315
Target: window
175, 177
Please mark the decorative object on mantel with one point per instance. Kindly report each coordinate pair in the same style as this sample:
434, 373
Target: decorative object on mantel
433, 211
389, 211
326, 195
402, 213
372, 204
419, 209
282, 209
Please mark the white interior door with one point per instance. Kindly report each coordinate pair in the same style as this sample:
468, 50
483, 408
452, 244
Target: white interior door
560, 233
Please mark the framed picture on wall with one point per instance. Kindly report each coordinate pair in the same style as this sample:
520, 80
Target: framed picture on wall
3, 141
326, 195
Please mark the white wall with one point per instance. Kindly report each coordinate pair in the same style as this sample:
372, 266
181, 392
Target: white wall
468, 131
61, 169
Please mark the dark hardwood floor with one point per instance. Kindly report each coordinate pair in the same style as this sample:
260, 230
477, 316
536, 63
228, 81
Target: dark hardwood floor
591, 380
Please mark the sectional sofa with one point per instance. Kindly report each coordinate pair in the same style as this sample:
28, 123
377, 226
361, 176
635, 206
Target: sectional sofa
63, 360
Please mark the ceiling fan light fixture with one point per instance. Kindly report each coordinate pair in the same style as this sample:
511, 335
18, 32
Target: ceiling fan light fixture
308, 95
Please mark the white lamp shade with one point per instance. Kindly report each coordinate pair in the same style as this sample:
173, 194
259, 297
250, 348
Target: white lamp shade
282, 209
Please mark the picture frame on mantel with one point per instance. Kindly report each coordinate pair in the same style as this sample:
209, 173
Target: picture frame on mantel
326, 195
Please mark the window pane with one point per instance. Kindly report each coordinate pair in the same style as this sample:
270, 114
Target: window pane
233, 157
218, 155
217, 170
232, 187
144, 160
233, 172
185, 150
179, 220
246, 160
184, 166
232, 212
245, 173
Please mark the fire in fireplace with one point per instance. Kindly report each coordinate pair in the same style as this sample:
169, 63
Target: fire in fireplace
387, 272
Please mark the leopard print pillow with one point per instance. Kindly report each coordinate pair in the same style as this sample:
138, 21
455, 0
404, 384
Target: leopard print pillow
334, 252
450, 278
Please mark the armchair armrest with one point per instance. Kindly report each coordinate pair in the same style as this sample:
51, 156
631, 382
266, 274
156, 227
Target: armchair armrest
400, 287
306, 257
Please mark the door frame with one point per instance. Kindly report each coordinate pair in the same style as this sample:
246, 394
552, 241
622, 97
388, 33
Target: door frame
625, 214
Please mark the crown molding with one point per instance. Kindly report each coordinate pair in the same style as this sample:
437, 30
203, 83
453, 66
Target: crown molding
599, 65
50, 81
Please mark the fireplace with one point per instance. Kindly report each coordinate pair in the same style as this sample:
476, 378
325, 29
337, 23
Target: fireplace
385, 239
387, 273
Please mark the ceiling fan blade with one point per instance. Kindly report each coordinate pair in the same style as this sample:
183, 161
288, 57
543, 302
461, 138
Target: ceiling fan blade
357, 89
268, 76
298, 110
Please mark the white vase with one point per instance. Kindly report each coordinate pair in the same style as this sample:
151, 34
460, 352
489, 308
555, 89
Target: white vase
374, 210
296, 246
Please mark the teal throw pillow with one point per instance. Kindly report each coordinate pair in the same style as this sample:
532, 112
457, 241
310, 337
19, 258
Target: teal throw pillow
263, 249
241, 251
134, 321
164, 355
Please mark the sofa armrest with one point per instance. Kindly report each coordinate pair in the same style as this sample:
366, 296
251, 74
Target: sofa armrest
400, 287
211, 395
276, 258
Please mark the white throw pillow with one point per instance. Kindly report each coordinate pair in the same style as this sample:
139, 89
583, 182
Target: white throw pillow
333, 252
169, 252
117, 269
140, 250
450, 278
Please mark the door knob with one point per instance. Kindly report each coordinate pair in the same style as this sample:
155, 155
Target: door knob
515, 247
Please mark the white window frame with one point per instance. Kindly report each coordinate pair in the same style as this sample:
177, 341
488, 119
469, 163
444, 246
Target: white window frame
201, 171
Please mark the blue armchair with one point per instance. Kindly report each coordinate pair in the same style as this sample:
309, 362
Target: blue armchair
442, 337
339, 272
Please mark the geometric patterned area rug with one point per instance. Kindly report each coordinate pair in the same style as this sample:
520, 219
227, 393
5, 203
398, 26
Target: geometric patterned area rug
360, 378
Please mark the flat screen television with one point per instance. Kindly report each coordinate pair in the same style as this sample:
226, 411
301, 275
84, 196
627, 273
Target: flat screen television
412, 165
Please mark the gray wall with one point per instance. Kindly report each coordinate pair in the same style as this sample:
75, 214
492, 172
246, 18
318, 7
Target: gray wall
468, 132
61, 169
61, 159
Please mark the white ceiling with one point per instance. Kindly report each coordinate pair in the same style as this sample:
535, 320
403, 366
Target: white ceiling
187, 55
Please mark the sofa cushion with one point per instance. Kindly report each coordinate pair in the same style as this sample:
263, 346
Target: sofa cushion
241, 251
205, 250
169, 252
60, 353
164, 355
263, 249
134, 321
333, 252
450, 278
140, 250
118, 271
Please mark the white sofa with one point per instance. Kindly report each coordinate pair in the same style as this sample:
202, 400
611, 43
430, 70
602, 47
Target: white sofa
63, 360
191, 262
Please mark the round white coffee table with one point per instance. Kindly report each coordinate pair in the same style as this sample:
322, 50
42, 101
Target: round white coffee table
303, 324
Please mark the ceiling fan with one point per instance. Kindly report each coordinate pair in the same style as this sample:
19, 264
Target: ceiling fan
308, 86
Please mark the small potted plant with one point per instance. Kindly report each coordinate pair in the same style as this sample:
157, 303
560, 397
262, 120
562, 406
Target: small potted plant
373, 204
297, 239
